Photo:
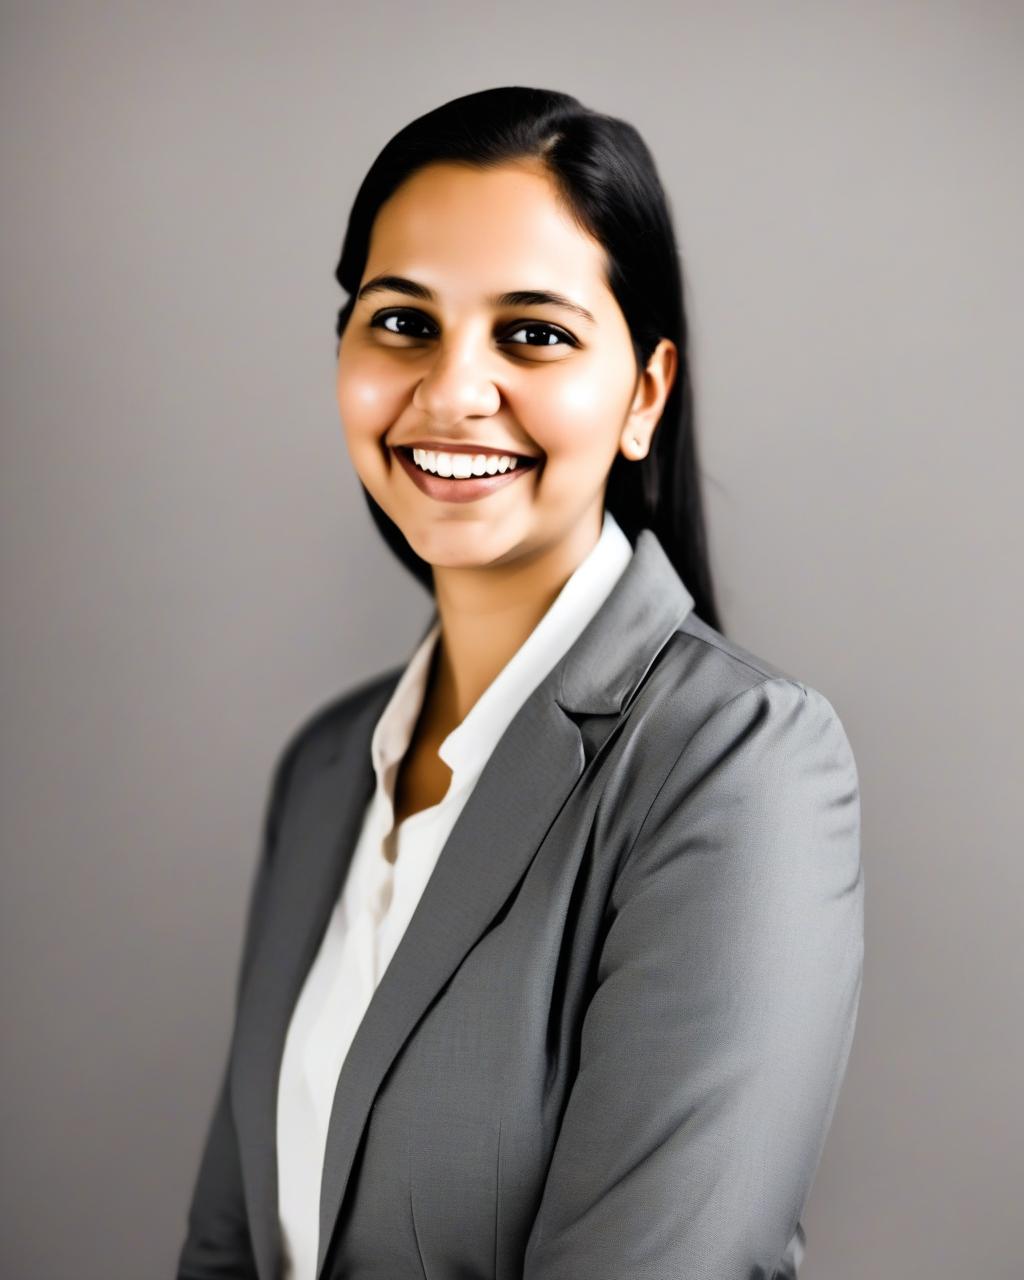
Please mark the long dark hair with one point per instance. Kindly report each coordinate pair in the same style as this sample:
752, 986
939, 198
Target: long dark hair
606, 175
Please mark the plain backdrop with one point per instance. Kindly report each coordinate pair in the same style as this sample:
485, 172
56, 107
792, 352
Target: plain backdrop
188, 567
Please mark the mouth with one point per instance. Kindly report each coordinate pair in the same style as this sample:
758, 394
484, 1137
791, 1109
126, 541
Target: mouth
458, 489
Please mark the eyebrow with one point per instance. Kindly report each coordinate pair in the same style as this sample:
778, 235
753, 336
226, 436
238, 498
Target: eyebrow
517, 298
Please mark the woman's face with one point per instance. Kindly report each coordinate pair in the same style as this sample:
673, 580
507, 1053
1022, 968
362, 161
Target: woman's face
434, 355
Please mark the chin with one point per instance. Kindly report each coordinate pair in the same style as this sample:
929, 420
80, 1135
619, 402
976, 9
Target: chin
454, 548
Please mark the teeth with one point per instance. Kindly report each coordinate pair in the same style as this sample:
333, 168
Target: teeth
462, 465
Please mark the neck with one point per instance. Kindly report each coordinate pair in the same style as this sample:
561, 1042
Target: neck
487, 614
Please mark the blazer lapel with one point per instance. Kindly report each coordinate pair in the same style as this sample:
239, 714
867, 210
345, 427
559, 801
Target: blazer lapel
542, 755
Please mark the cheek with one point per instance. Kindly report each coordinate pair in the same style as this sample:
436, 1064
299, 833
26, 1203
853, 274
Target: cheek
570, 413
369, 395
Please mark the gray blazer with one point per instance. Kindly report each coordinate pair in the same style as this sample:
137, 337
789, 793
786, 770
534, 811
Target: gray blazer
611, 1040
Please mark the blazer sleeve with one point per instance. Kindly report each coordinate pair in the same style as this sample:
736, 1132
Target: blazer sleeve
717, 1037
217, 1242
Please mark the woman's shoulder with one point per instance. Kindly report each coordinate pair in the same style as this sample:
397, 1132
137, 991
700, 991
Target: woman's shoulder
729, 662
709, 682
745, 758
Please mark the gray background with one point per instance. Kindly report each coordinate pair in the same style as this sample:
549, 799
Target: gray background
188, 567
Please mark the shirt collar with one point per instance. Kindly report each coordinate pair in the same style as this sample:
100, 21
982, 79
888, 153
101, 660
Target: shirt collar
467, 747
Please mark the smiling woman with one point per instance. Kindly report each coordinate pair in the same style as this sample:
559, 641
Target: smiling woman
544, 370
554, 947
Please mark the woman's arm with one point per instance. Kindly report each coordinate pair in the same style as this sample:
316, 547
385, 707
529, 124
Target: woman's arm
217, 1242
715, 1043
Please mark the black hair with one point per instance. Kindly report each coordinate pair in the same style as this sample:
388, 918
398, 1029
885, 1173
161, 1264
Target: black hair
606, 177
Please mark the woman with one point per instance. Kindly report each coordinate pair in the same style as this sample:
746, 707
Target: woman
555, 945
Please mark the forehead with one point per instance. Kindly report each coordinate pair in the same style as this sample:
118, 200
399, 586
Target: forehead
465, 231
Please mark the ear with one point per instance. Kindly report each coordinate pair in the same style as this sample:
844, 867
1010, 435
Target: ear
652, 390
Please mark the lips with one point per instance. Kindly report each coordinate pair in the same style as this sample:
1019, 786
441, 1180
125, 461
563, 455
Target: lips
473, 488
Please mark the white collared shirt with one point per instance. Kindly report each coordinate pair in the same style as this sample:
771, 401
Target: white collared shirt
379, 897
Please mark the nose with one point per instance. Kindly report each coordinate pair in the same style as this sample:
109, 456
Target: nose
458, 384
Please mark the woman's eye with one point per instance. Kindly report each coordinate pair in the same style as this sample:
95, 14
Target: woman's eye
551, 337
401, 319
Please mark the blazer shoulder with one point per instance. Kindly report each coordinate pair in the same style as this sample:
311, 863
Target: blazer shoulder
735, 662
744, 744
707, 671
